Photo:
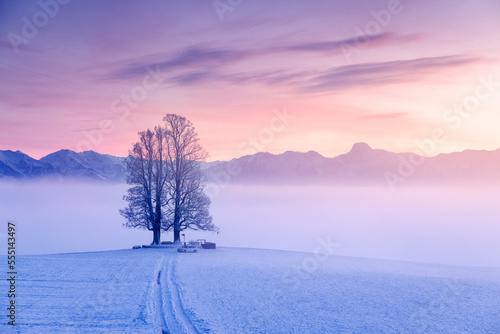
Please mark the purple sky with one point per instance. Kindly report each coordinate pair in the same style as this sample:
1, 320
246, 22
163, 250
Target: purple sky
253, 76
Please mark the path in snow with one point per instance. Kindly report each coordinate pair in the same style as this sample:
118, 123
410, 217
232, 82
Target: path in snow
101, 292
160, 325
129, 291
174, 314
232, 290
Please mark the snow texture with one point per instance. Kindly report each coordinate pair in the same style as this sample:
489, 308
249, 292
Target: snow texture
233, 290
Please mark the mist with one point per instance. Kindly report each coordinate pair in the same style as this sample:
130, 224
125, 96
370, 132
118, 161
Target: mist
458, 226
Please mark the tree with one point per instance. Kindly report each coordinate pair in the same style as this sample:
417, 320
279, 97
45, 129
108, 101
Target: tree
189, 205
167, 184
147, 173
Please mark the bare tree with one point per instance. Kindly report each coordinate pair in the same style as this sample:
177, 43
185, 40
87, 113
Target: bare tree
147, 173
167, 184
189, 205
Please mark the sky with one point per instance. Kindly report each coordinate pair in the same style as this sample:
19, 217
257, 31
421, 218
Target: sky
251, 75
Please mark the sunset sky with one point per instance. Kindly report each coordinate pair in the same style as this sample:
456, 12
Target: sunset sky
252, 75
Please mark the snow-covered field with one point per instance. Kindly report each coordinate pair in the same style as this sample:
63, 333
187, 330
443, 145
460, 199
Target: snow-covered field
236, 290
244, 290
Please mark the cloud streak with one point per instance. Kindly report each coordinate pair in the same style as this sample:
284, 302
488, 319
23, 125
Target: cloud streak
330, 79
193, 57
336, 47
369, 74
200, 65
197, 57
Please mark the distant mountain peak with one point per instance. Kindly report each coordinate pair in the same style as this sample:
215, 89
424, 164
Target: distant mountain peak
360, 148
12, 152
295, 153
361, 164
62, 151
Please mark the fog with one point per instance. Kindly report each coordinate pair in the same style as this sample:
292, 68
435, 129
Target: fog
451, 226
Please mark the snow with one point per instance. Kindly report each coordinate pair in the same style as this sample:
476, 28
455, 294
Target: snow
84, 293
244, 290
236, 290
87, 164
18, 164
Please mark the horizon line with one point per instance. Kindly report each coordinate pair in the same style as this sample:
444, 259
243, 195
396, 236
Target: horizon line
420, 153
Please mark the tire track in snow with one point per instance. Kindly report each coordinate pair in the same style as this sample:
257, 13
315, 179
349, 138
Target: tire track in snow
159, 323
175, 316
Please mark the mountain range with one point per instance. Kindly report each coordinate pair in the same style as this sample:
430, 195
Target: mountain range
361, 165
63, 164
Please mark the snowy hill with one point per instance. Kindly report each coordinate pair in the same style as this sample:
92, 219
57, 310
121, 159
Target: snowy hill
234, 290
361, 165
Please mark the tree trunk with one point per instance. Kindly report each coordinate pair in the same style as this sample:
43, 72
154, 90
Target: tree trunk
156, 236
177, 235
177, 218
